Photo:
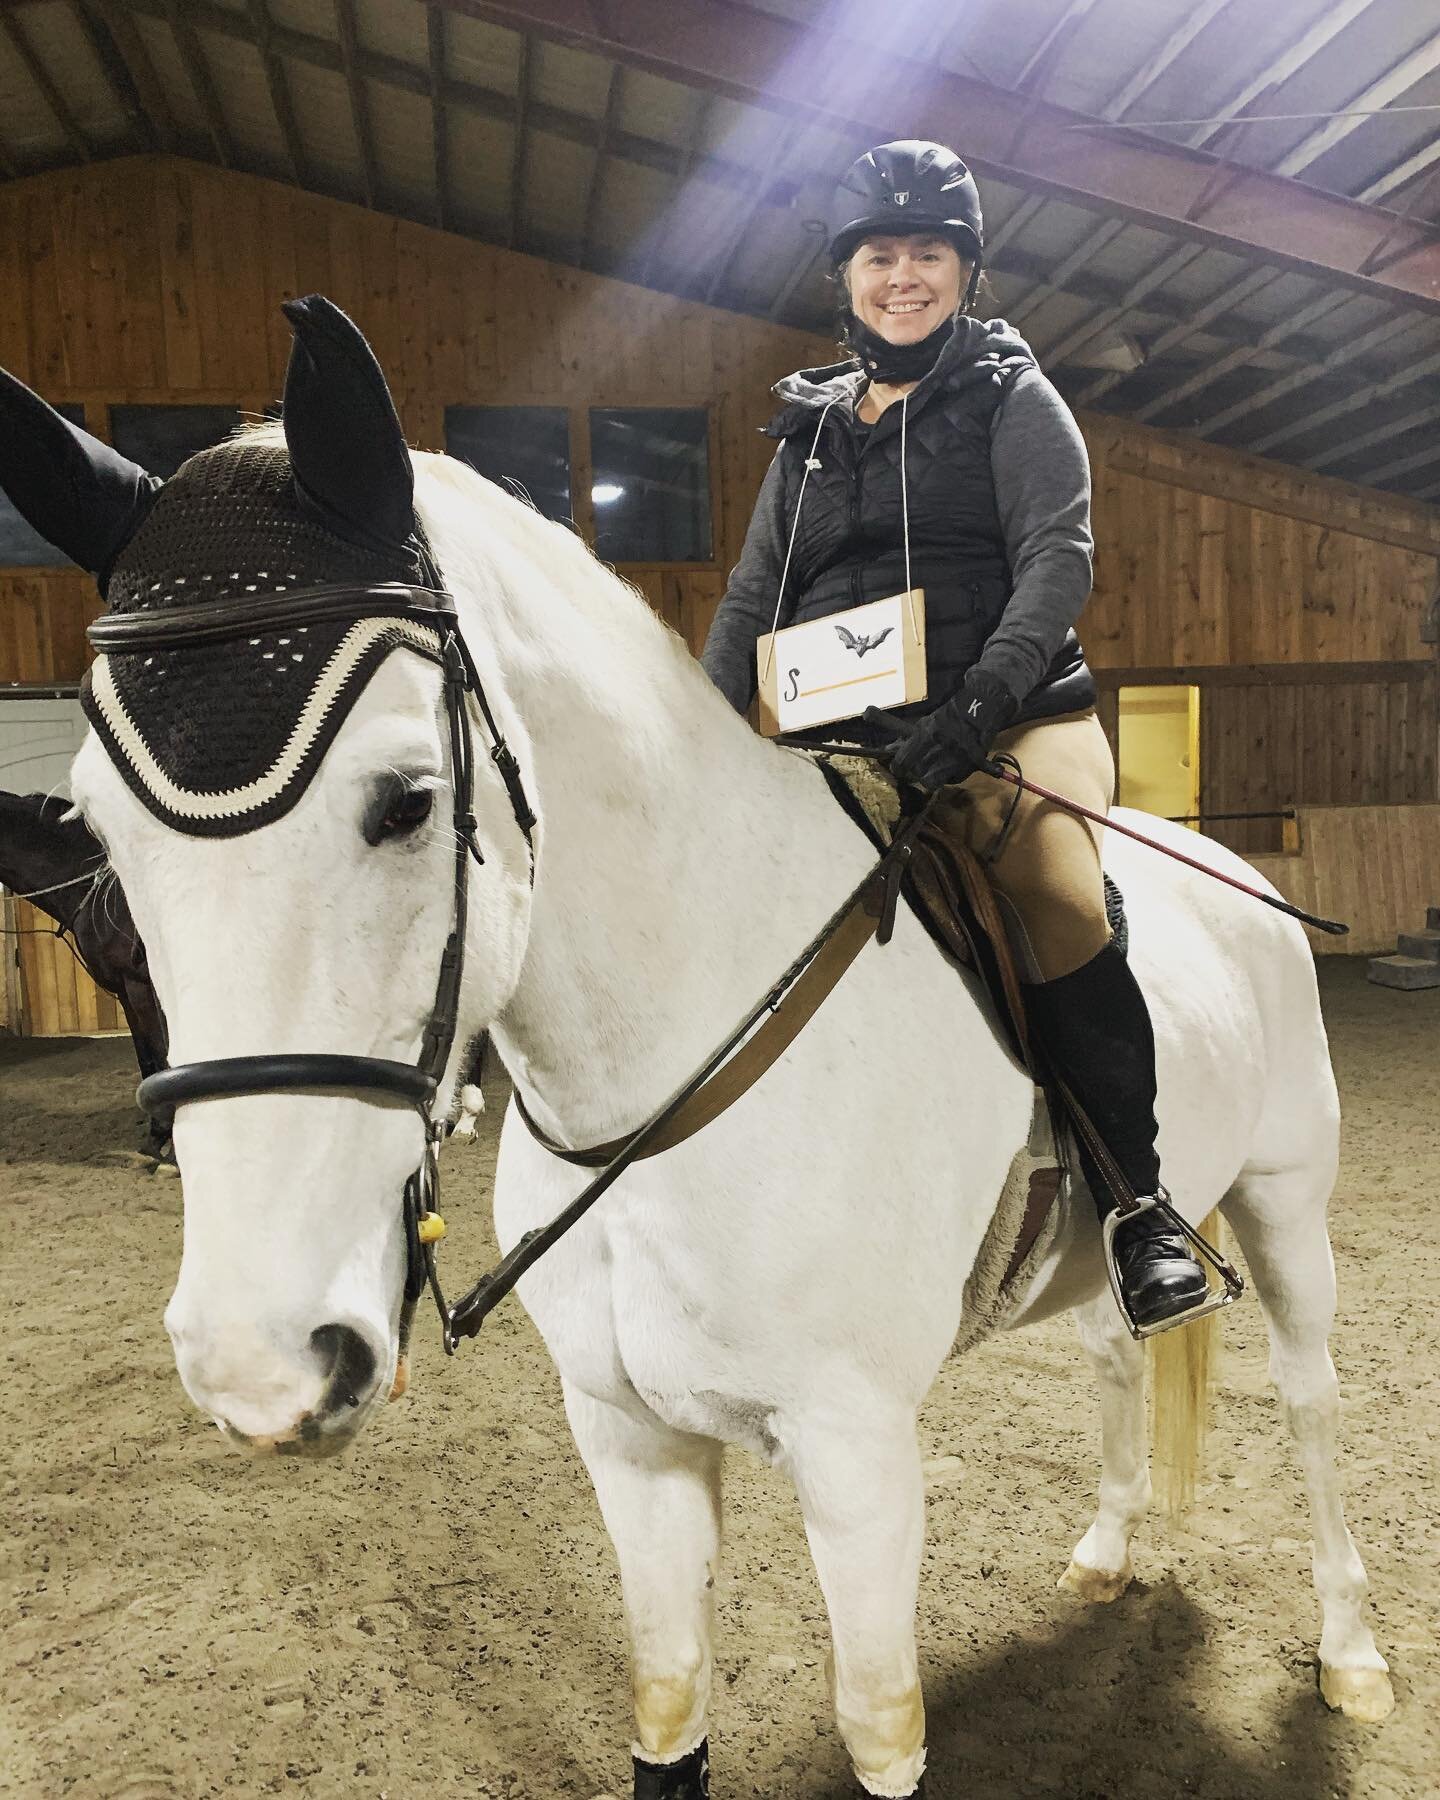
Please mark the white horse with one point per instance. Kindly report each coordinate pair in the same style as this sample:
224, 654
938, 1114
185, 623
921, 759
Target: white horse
791, 1278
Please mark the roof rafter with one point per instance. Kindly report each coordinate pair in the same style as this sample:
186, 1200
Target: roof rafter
1352, 402
1415, 421
1210, 372
198, 72
520, 160
1313, 369
613, 98
107, 53
1404, 465
359, 109
1423, 60
130, 47
1279, 70
772, 62
439, 131
40, 75
279, 89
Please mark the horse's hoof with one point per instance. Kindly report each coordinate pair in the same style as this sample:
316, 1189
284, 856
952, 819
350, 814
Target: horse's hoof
1362, 1694
402, 1378
1096, 1586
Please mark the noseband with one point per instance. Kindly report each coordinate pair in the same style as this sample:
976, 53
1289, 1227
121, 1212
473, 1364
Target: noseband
416, 1084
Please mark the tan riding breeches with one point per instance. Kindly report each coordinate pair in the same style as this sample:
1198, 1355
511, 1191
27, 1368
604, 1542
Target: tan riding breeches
1048, 866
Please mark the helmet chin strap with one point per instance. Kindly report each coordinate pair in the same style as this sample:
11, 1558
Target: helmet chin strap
887, 362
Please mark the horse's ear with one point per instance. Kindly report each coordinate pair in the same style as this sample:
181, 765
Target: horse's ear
81, 495
347, 452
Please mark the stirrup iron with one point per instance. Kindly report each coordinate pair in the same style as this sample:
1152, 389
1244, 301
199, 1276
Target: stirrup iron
1230, 1290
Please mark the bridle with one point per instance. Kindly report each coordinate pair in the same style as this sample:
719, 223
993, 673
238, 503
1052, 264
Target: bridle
214, 622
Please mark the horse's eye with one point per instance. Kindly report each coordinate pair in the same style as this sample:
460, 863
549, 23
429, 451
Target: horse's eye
407, 809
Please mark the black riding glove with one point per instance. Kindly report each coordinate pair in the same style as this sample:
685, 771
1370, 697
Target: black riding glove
953, 741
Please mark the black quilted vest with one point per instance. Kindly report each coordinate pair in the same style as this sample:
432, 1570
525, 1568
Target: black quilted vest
850, 544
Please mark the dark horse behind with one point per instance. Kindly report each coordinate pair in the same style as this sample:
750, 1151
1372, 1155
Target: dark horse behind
59, 866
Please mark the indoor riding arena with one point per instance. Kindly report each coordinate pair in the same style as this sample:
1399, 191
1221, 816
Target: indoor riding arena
583, 242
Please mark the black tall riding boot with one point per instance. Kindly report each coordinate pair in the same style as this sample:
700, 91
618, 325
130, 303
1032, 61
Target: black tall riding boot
1094, 1027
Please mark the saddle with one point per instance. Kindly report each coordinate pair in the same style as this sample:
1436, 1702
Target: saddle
949, 889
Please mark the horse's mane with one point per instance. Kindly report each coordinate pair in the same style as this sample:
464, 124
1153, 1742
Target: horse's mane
558, 597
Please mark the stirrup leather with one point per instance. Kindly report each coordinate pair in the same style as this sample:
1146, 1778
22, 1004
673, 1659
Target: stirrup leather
1232, 1286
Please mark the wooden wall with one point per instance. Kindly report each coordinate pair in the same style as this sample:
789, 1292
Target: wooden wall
1296, 602
1375, 868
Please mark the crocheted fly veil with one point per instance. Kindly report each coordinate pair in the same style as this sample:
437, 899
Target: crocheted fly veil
220, 738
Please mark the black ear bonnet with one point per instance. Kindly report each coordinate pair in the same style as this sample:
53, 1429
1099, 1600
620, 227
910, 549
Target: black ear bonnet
218, 739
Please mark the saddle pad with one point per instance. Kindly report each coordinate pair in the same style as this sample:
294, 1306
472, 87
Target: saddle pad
945, 884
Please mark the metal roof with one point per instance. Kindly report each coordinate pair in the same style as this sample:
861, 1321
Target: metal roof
496, 120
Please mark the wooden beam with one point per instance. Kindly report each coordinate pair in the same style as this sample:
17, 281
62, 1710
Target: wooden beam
1247, 481
1311, 674
279, 88
198, 71
1352, 402
1397, 80
460, 96
40, 75
1344, 359
1213, 368
520, 158
1420, 420
683, 171
1279, 69
1403, 465
767, 61
359, 110
107, 53
439, 138
613, 98
1230, 295
130, 47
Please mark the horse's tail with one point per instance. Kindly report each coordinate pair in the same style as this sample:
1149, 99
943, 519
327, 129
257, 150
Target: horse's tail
1181, 1370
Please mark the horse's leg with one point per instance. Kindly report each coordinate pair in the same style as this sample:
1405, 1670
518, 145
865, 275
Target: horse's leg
862, 1497
1100, 1565
659, 1493
1279, 1219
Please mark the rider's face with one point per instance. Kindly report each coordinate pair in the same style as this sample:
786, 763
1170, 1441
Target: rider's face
903, 287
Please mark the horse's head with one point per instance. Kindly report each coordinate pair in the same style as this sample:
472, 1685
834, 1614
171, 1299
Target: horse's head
278, 806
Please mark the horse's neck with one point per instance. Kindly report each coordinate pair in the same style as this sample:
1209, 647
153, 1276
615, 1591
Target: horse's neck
683, 865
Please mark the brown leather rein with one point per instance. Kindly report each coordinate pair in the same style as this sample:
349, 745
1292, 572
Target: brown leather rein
730, 1071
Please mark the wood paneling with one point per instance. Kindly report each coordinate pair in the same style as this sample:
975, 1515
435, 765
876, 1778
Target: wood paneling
152, 279
1375, 868
57, 997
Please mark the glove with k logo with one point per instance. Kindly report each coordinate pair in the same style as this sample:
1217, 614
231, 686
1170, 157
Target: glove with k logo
952, 742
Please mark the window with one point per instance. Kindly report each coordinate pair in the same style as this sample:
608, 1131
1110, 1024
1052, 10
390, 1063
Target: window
20, 547
160, 438
651, 483
523, 448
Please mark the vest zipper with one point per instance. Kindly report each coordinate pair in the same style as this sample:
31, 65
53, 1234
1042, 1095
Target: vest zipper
859, 455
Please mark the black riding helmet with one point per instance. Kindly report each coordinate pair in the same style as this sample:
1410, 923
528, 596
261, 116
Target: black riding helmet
908, 187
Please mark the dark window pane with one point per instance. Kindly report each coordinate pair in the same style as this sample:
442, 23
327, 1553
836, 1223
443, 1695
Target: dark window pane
160, 438
20, 547
652, 483
523, 448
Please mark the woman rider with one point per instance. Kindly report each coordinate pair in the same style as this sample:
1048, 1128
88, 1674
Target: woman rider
997, 486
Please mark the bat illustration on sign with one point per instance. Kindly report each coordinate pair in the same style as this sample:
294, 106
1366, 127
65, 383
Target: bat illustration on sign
861, 644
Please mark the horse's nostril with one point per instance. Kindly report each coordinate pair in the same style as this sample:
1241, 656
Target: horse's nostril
349, 1363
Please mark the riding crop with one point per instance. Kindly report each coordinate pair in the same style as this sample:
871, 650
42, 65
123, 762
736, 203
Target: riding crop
999, 769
